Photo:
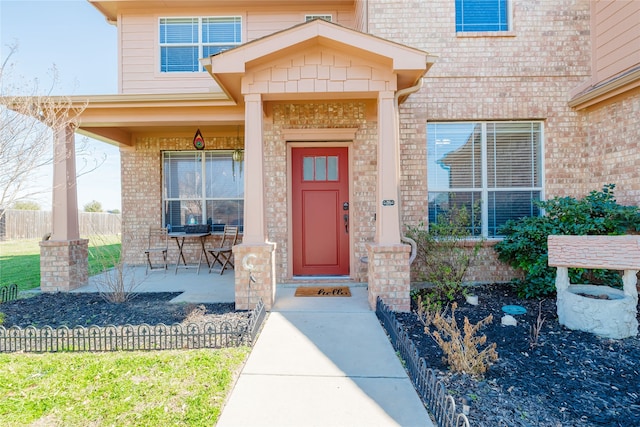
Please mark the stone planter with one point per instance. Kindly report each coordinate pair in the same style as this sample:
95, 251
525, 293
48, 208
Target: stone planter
610, 318
614, 317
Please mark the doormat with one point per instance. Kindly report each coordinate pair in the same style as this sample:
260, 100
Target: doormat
323, 291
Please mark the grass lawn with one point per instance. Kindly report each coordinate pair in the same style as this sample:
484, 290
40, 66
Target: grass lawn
125, 389
20, 259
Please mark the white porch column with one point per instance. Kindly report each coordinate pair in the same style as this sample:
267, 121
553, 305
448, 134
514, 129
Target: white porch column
254, 239
65, 197
387, 211
254, 220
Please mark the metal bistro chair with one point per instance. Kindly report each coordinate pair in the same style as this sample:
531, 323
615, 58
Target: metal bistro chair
222, 254
158, 243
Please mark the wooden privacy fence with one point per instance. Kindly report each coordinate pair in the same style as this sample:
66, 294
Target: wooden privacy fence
23, 224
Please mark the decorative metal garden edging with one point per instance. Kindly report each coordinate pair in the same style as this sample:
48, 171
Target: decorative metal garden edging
431, 390
8, 293
130, 337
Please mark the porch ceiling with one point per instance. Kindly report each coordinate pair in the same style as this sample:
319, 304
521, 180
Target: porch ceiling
116, 118
406, 63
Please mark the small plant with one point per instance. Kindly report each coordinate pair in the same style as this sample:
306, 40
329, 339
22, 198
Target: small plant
536, 328
445, 250
525, 243
194, 313
2, 316
427, 308
462, 351
118, 282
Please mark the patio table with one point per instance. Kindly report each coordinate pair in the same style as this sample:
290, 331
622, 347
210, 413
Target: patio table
181, 238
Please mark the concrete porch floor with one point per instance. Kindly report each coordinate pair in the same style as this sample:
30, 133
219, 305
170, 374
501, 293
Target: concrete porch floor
197, 288
204, 287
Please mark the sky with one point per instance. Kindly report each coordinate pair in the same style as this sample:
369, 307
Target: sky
75, 38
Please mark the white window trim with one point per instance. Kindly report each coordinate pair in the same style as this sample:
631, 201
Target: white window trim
199, 44
509, 32
484, 190
203, 199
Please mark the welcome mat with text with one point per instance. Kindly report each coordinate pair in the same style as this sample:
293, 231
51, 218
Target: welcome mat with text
323, 291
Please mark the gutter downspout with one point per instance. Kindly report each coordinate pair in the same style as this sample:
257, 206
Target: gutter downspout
401, 93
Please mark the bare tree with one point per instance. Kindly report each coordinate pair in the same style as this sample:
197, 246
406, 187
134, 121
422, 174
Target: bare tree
28, 120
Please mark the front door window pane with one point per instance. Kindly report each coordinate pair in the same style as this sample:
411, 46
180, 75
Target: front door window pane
321, 168
332, 168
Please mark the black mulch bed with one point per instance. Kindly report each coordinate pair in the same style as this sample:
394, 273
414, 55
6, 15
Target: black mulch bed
570, 378
85, 309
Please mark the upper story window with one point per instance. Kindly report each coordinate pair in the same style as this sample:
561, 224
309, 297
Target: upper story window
183, 41
482, 15
492, 169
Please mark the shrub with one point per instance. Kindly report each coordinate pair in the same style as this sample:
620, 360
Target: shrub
525, 243
462, 352
444, 253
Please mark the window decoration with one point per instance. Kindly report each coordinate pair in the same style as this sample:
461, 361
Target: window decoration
493, 169
198, 140
238, 157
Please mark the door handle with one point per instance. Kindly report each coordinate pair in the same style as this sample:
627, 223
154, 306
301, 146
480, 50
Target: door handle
346, 223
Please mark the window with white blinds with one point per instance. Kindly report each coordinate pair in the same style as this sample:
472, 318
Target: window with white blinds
482, 15
492, 169
202, 187
183, 41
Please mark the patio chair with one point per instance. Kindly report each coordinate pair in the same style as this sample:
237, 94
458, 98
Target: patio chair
222, 254
158, 243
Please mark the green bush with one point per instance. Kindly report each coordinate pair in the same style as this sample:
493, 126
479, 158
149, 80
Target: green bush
444, 253
525, 243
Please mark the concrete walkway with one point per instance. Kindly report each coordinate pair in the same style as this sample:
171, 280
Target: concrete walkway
323, 362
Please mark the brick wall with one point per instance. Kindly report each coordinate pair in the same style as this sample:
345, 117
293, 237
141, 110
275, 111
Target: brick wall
525, 74
613, 147
142, 192
320, 115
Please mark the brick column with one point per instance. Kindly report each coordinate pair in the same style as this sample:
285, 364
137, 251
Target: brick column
64, 264
390, 276
248, 294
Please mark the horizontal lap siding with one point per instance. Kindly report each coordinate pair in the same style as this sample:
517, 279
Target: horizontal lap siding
616, 37
140, 49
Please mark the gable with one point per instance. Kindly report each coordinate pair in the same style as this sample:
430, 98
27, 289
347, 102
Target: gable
320, 70
303, 58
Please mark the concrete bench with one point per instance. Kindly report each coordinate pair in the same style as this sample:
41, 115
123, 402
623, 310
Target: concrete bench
614, 316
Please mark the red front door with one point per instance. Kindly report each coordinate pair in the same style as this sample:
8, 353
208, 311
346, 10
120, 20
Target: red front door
320, 185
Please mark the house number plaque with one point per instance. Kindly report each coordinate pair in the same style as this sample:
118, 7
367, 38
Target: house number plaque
388, 202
